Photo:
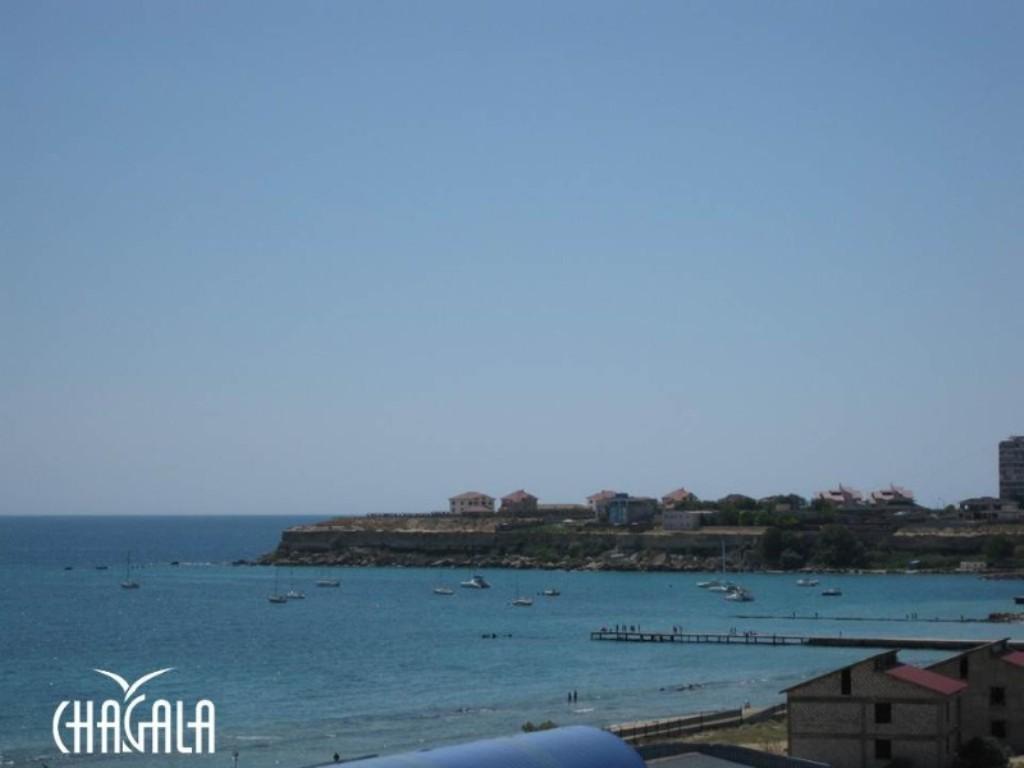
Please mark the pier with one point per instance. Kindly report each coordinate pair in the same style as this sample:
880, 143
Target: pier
830, 641
908, 619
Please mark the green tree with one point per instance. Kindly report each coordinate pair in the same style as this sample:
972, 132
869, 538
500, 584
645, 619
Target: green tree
998, 549
982, 753
772, 545
790, 560
837, 547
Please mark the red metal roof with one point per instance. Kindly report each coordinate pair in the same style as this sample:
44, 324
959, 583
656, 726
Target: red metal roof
1015, 657
924, 678
679, 494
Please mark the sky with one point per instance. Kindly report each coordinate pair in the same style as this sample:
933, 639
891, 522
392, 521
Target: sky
353, 257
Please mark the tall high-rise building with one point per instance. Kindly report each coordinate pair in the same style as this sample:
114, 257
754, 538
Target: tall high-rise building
1011, 468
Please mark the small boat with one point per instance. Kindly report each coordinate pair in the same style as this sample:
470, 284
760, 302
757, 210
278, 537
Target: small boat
722, 587
446, 591
324, 581
294, 594
477, 582
129, 582
68, 568
708, 584
807, 582
1019, 599
276, 597
551, 592
832, 592
519, 600
101, 567
740, 595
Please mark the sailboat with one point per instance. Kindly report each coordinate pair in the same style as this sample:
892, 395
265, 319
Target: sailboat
276, 597
293, 593
521, 601
129, 582
443, 590
716, 585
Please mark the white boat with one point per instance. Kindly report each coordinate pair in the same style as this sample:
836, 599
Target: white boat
276, 597
294, 594
832, 592
715, 585
326, 582
740, 595
727, 586
551, 592
477, 582
807, 582
129, 582
520, 601
444, 591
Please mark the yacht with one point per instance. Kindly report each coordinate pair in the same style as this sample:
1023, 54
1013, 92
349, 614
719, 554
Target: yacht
740, 595
276, 596
328, 583
832, 592
129, 582
807, 582
708, 584
551, 592
523, 602
446, 591
726, 586
477, 582
294, 594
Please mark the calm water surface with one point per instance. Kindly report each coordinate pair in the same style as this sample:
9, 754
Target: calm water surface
381, 664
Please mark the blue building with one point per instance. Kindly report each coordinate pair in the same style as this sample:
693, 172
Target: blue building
624, 509
578, 746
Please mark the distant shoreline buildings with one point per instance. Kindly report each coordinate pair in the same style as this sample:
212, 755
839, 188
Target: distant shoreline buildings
681, 509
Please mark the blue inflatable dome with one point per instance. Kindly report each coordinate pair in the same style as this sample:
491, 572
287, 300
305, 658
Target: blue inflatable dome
577, 746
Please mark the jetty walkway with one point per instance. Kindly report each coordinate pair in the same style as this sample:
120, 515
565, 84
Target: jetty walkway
757, 638
908, 619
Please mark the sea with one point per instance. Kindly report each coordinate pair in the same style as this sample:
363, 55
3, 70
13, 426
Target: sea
383, 665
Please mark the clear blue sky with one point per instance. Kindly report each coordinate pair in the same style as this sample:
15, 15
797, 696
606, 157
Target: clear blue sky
320, 257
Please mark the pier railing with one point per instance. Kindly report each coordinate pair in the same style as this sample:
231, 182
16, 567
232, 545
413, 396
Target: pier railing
674, 727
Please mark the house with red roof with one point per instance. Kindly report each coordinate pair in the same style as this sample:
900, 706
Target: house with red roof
471, 503
678, 496
869, 713
994, 699
519, 503
893, 496
843, 496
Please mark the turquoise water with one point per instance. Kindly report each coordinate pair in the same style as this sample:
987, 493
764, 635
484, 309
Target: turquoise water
381, 664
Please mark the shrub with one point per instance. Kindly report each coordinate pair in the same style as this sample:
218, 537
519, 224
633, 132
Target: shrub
982, 753
529, 727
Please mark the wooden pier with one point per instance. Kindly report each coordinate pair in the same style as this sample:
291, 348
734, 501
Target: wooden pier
758, 638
